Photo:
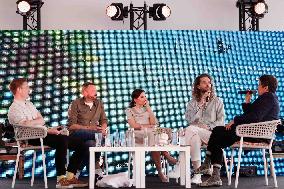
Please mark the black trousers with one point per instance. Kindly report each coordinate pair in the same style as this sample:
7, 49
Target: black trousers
61, 143
221, 138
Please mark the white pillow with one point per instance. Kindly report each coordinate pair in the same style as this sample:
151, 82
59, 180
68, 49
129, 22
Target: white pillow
115, 180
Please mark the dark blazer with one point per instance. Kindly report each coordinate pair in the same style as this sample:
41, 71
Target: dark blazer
264, 108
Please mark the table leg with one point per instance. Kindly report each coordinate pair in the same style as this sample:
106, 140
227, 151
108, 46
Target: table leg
183, 168
142, 169
92, 170
137, 169
187, 168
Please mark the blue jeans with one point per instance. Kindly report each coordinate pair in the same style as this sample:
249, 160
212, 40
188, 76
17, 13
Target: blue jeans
88, 136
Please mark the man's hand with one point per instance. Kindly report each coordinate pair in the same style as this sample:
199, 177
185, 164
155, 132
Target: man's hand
53, 131
229, 125
248, 98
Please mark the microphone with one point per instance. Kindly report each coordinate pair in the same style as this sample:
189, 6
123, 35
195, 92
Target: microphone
247, 91
208, 97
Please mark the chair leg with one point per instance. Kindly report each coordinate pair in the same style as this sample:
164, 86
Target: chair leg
16, 166
265, 167
225, 162
272, 170
231, 166
239, 163
33, 168
43, 162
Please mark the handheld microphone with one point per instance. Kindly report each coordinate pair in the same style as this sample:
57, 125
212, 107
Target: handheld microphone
208, 97
247, 92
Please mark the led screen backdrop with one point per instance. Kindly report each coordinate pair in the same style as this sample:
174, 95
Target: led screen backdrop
163, 63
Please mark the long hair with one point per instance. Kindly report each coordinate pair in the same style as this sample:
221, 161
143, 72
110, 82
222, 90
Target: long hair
135, 94
196, 93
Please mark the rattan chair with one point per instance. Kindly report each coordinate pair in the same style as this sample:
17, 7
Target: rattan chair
261, 130
24, 133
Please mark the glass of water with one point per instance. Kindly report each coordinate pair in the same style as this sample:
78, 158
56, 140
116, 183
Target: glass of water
98, 138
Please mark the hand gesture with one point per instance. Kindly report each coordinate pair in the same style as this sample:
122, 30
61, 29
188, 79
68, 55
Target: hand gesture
248, 98
229, 125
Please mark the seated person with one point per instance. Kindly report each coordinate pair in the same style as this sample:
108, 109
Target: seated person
23, 112
86, 117
264, 108
203, 113
140, 116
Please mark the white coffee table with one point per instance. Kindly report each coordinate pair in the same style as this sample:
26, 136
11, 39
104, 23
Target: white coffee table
115, 149
184, 161
139, 158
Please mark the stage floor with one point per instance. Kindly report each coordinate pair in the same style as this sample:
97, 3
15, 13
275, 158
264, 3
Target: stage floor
153, 182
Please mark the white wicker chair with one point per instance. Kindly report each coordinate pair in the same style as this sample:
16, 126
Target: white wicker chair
261, 130
23, 133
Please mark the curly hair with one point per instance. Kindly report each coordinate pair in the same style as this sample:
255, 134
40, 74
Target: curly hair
196, 93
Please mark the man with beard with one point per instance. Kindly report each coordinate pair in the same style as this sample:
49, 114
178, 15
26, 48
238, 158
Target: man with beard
86, 117
203, 113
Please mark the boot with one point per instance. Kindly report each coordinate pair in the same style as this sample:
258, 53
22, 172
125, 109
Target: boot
214, 180
205, 168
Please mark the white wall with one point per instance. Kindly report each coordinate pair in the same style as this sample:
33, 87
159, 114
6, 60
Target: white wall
186, 14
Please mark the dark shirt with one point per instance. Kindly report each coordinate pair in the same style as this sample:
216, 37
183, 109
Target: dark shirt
80, 113
264, 108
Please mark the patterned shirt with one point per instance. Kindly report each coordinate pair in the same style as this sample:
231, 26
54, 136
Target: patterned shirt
21, 111
212, 114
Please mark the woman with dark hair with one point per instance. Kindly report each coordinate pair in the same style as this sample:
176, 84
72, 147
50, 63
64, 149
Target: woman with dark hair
140, 117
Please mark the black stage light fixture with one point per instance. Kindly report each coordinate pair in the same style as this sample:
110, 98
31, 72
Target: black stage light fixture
30, 11
116, 11
250, 12
23, 7
260, 9
159, 11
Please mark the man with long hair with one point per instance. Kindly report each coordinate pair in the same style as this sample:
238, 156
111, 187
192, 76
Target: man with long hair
204, 112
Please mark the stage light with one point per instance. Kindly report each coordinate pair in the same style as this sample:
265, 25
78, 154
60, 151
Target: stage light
138, 15
159, 11
23, 6
116, 11
30, 11
260, 8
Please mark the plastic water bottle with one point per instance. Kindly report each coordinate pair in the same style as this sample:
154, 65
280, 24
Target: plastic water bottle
181, 134
116, 138
107, 138
132, 137
145, 138
174, 137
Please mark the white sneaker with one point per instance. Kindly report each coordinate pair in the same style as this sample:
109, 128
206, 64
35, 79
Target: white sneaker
175, 173
196, 179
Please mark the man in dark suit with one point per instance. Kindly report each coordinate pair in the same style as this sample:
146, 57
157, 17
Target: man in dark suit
264, 108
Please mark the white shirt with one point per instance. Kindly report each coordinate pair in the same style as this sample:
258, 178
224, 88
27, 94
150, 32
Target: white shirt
21, 111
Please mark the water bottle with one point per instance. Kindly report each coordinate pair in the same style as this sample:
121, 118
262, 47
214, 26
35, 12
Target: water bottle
145, 138
116, 138
181, 137
174, 137
107, 138
132, 137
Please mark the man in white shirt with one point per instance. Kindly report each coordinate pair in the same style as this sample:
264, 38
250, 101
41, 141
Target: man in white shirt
23, 112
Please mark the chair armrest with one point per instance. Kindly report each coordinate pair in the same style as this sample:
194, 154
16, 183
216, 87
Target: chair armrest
29, 132
264, 130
